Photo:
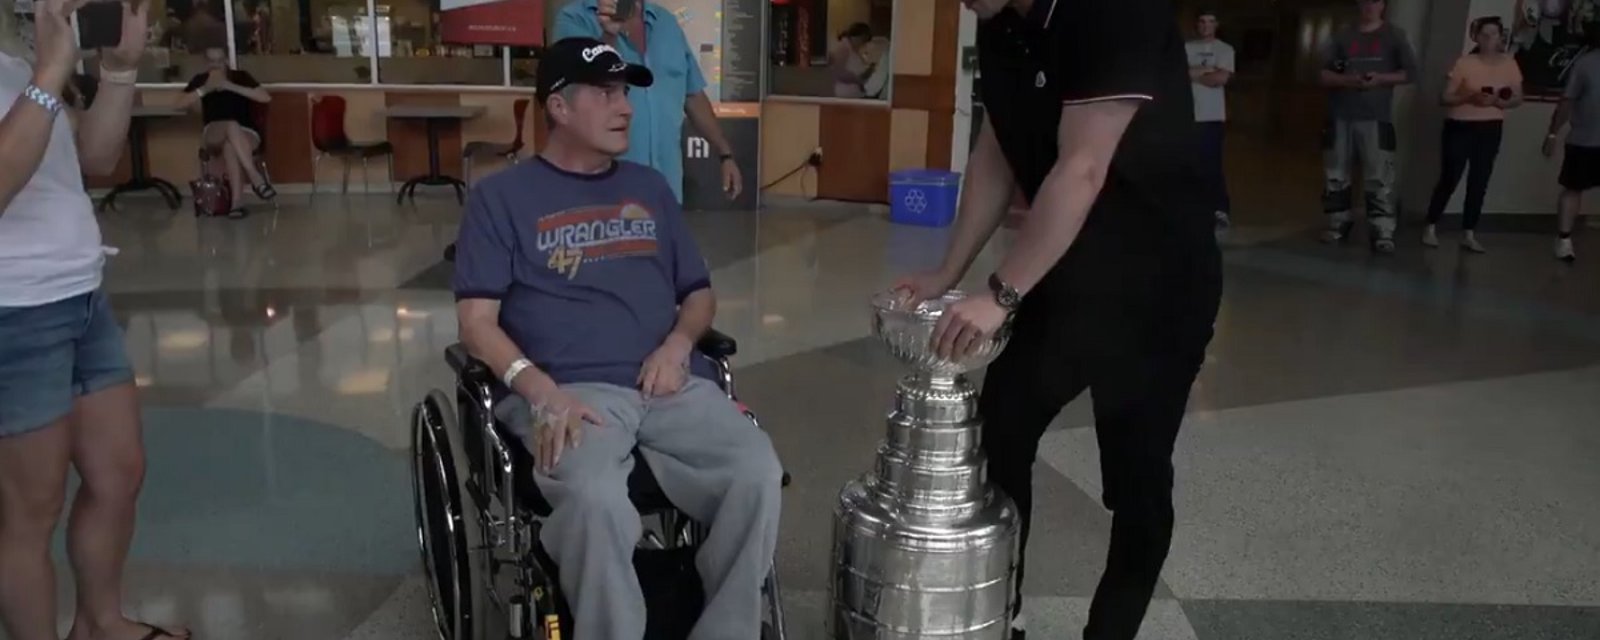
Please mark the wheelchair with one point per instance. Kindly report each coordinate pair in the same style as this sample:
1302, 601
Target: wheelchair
479, 512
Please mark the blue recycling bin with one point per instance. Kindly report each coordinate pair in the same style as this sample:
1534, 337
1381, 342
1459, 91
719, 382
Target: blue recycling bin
924, 197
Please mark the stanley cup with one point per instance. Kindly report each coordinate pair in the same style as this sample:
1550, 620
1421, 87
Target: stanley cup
923, 547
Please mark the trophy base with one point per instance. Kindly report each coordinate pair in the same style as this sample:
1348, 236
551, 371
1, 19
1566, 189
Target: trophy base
894, 579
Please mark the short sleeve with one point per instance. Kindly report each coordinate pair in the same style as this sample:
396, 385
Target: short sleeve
695, 81
244, 79
575, 21
483, 250
195, 83
1109, 50
689, 273
1330, 53
1575, 81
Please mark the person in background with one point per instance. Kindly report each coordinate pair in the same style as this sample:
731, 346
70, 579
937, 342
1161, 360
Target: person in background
1210, 68
1580, 166
648, 34
67, 393
848, 63
1481, 87
1361, 67
225, 96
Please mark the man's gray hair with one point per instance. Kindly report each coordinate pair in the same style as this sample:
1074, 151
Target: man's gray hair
566, 94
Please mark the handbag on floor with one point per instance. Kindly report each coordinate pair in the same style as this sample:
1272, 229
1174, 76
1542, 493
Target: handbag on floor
212, 196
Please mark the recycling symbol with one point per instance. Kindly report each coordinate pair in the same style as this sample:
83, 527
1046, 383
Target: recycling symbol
916, 201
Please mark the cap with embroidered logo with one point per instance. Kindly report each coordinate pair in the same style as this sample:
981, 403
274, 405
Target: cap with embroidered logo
585, 61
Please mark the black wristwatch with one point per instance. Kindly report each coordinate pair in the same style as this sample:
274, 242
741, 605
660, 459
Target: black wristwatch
1006, 295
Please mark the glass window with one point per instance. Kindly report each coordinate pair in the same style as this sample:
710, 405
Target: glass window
831, 49
180, 32
273, 39
409, 50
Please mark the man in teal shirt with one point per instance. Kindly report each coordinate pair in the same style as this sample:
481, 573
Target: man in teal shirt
650, 36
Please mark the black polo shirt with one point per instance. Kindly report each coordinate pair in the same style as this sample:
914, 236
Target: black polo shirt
1079, 51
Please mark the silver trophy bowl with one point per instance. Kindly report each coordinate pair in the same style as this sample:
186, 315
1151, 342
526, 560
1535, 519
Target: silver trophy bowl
908, 332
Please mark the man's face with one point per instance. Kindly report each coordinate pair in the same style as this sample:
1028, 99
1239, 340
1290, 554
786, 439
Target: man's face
986, 8
1207, 26
1371, 10
599, 115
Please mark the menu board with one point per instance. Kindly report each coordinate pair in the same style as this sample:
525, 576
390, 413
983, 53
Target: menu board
742, 63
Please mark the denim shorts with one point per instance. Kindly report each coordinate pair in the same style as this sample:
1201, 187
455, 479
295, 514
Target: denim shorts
53, 353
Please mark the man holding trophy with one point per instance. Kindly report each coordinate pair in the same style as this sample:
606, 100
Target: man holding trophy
1114, 280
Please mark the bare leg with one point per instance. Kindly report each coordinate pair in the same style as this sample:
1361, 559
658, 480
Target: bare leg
235, 177
243, 146
1571, 201
33, 486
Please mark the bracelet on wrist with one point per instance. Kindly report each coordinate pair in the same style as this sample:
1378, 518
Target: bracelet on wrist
44, 99
124, 77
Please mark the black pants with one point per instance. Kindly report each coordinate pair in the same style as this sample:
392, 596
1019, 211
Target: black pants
1140, 358
1211, 165
1465, 144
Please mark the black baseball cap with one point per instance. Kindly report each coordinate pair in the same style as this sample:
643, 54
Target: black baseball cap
585, 61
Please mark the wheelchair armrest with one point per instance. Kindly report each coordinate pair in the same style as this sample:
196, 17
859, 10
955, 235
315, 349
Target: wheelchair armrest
717, 345
466, 366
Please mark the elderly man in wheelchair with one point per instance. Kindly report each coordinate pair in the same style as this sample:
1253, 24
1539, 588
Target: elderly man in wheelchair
585, 314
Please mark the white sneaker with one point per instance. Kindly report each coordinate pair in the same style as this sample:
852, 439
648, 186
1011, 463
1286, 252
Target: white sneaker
1430, 236
1564, 250
1469, 243
1223, 221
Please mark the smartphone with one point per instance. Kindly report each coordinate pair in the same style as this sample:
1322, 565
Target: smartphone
625, 9
100, 25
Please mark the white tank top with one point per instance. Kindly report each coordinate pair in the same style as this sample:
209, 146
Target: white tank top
49, 239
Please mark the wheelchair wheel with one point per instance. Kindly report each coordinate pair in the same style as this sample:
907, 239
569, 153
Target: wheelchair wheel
441, 527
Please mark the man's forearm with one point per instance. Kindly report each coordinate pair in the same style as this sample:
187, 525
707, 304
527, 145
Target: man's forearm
1395, 78
486, 341
1058, 215
986, 196
1559, 119
695, 315
103, 131
704, 117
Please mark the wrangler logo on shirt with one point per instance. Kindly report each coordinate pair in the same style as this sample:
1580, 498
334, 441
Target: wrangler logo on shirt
579, 236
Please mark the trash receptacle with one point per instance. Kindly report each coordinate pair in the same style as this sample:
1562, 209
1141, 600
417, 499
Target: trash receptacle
924, 197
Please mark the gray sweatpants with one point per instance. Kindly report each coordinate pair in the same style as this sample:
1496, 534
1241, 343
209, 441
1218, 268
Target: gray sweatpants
1374, 143
713, 464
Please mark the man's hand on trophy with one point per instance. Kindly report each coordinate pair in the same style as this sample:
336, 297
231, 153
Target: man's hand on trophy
966, 324
918, 288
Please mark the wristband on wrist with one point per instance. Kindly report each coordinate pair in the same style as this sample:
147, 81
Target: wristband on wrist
43, 98
125, 76
516, 368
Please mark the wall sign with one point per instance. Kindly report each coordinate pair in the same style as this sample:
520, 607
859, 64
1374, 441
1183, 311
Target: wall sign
512, 23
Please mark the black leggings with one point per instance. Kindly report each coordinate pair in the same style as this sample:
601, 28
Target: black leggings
1474, 143
1139, 361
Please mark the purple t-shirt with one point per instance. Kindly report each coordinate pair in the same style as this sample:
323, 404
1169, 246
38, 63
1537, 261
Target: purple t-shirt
588, 269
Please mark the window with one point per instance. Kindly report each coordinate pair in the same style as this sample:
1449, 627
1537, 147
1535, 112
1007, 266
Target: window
409, 50
831, 48
180, 32
304, 40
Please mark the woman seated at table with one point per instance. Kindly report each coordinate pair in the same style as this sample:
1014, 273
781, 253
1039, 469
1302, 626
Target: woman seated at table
230, 131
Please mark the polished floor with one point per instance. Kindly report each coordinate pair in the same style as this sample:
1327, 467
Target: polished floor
1379, 448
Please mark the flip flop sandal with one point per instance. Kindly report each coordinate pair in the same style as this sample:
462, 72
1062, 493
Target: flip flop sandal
158, 632
264, 191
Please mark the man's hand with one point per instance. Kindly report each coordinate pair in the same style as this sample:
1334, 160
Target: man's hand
918, 288
558, 423
966, 324
607, 10
135, 27
55, 44
732, 179
667, 369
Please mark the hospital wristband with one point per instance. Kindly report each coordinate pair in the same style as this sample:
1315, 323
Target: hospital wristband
516, 369
126, 76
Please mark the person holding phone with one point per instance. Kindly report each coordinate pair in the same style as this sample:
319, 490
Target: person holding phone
225, 96
1482, 86
1361, 67
67, 396
647, 34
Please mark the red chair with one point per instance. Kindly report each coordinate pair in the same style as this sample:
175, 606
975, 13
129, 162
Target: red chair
511, 151
329, 139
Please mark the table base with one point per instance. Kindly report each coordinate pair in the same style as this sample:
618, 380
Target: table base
168, 192
410, 186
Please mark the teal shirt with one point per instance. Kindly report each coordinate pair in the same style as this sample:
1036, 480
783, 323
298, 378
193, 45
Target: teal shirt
656, 136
